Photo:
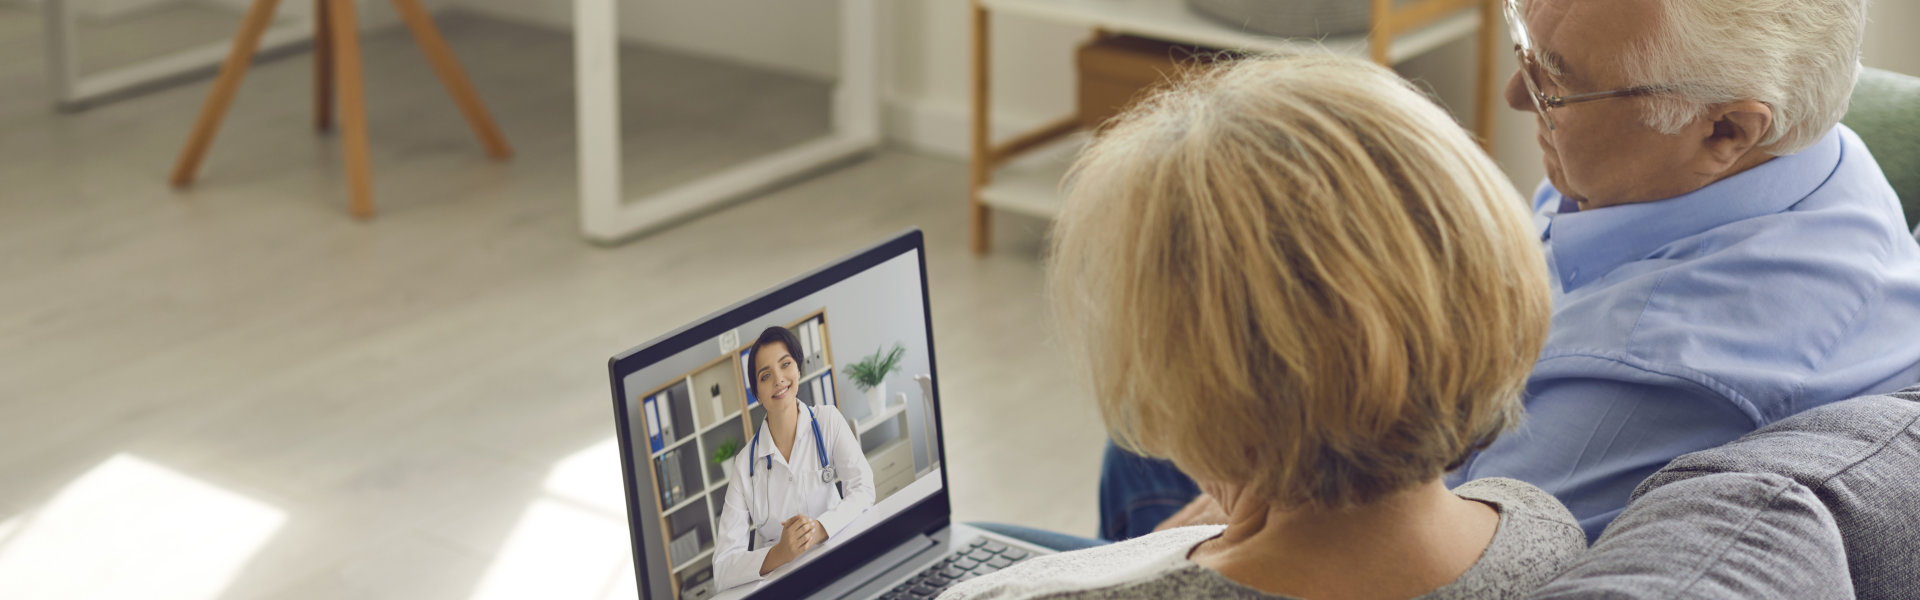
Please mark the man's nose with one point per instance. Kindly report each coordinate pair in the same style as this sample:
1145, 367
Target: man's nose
1516, 93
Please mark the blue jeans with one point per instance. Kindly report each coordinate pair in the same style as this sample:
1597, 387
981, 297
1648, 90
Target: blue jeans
1136, 494
1058, 542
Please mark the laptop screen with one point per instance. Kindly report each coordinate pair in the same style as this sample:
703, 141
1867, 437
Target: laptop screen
713, 484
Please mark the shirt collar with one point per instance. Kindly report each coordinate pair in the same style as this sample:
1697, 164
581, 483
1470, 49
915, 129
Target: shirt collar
1588, 244
803, 433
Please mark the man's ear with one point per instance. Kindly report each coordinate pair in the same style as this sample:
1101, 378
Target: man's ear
1738, 128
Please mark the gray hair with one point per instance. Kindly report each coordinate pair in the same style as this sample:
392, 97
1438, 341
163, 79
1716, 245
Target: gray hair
1800, 57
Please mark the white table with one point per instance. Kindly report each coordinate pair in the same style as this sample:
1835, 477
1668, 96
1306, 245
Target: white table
920, 489
73, 90
607, 217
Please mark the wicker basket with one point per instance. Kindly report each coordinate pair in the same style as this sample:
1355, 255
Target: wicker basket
1289, 18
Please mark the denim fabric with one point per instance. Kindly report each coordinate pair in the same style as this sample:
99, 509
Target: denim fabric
1138, 493
1058, 542
1861, 458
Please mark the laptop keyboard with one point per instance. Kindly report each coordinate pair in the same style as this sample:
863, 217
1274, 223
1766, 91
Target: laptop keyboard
981, 557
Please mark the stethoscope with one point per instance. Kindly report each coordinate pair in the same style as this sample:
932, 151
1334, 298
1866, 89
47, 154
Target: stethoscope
826, 471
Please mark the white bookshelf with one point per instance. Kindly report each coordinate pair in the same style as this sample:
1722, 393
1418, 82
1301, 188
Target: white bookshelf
1030, 185
874, 421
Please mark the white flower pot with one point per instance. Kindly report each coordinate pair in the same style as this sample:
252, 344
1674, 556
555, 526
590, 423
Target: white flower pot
877, 398
726, 469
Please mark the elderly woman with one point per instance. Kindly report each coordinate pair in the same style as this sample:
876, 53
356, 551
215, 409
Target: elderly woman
1301, 282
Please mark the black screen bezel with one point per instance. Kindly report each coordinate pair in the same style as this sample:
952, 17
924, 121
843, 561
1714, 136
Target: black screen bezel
926, 516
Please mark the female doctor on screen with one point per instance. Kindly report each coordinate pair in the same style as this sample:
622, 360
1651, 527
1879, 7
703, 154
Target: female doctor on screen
804, 476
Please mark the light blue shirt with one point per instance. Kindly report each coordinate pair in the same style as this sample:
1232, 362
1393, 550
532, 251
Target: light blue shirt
1681, 324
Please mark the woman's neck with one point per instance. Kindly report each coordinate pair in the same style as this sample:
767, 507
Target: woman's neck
784, 425
1401, 546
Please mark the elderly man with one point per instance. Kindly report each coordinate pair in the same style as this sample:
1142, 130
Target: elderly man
1724, 253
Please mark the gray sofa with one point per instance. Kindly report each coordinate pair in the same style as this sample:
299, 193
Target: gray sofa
1825, 504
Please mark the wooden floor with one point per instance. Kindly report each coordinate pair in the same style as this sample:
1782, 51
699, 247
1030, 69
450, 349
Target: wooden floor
238, 392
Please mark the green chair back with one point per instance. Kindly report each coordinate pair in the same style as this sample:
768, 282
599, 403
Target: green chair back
1885, 111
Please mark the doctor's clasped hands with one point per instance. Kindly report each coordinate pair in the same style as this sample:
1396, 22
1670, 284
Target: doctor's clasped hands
798, 534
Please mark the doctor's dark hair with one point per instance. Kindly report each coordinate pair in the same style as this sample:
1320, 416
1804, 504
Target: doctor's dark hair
773, 335
1299, 277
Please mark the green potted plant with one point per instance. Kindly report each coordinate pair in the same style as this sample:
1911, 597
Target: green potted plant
870, 374
723, 456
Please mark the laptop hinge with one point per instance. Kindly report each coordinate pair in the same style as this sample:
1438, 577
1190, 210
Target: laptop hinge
877, 567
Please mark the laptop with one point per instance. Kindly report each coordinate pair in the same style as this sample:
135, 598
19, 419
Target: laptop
682, 401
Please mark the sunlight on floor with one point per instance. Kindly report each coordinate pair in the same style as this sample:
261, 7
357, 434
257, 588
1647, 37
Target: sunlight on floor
573, 542
133, 529
7, 529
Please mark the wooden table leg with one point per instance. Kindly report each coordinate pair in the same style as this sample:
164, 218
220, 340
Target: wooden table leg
981, 165
1489, 94
1380, 33
353, 106
322, 68
259, 16
448, 68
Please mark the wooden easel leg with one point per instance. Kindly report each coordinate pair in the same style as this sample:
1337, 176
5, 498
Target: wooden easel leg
322, 68
982, 164
448, 68
259, 16
353, 106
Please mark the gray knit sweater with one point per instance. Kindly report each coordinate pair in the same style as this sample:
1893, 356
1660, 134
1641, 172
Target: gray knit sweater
1536, 539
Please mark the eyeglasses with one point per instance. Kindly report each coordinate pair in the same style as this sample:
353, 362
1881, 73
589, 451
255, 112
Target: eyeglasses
1529, 64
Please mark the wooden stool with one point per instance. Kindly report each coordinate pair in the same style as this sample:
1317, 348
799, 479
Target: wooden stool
336, 56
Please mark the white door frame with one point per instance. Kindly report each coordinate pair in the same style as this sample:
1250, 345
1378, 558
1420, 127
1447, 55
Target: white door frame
607, 217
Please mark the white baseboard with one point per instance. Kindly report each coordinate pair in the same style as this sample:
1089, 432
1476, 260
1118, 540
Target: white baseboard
108, 10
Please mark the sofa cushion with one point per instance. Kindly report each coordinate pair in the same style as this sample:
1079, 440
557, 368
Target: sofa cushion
1722, 535
1861, 457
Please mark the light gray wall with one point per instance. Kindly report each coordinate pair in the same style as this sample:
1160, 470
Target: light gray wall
874, 309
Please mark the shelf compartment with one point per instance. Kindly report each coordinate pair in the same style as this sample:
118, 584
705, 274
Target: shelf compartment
711, 439
886, 414
679, 477
716, 394
695, 560
675, 408
1030, 184
689, 534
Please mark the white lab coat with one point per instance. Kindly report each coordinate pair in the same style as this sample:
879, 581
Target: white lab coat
788, 488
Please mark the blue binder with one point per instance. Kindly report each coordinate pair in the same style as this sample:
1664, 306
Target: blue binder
653, 424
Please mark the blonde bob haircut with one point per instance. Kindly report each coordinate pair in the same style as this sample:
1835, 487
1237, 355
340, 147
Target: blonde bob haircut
1299, 276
